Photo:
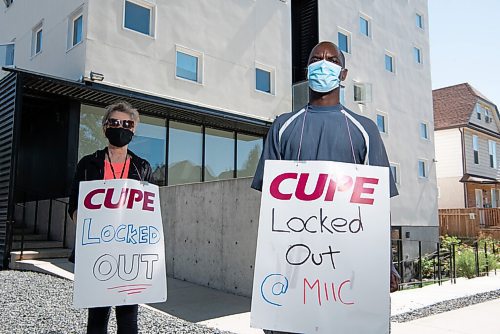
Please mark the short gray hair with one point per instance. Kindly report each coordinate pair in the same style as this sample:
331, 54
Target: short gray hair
121, 106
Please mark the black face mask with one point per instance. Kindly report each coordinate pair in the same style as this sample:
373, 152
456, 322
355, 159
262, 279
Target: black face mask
119, 137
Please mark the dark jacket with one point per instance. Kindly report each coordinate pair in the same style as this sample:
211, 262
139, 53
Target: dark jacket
91, 167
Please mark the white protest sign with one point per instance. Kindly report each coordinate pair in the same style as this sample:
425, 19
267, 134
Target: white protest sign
323, 250
120, 251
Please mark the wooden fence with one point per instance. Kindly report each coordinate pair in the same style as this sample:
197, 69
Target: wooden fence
470, 222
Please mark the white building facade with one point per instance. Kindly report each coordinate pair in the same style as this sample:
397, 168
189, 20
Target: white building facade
226, 69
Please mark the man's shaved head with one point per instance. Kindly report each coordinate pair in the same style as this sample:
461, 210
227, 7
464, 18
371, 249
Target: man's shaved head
327, 51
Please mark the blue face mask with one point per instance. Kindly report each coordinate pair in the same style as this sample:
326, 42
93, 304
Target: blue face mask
323, 76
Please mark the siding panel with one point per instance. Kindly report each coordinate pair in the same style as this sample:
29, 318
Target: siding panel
7, 112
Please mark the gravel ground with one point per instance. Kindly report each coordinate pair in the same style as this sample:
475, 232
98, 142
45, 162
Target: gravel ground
37, 303
446, 306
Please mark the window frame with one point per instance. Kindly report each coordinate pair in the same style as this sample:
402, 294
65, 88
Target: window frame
420, 60
397, 166
425, 168
393, 62
199, 66
368, 25
152, 17
420, 23
426, 125
492, 153
366, 92
349, 40
34, 39
478, 110
475, 148
13, 58
75, 15
272, 78
385, 117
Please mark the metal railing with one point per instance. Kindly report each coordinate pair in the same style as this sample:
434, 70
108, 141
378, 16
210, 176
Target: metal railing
440, 265
36, 225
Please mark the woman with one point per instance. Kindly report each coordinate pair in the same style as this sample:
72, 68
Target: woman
113, 162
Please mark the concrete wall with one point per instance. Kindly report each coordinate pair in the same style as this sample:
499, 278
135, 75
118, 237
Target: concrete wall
17, 23
211, 233
404, 96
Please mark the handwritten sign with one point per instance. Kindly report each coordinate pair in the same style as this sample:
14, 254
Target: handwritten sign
323, 249
120, 251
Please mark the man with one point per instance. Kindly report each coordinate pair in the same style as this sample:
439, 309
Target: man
324, 129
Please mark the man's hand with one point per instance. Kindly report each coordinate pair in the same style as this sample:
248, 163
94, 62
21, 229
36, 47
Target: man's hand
394, 281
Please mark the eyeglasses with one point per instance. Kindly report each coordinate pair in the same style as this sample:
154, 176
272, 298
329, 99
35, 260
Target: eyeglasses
124, 123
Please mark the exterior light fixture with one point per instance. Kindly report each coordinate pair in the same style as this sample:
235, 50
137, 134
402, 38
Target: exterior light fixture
94, 76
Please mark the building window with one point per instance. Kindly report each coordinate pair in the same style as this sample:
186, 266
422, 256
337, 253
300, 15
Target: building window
479, 110
492, 149
185, 153
150, 142
389, 63
248, 150
37, 40
7, 54
219, 154
424, 133
362, 92
419, 21
381, 123
342, 95
139, 16
417, 55
344, 41
422, 169
188, 64
395, 172
263, 80
475, 147
364, 26
77, 30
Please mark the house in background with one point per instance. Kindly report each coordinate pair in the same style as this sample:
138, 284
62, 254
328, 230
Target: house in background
467, 135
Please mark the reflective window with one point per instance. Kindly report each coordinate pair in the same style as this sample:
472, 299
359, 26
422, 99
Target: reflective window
344, 42
262, 80
219, 154
186, 66
424, 134
7, 55
422, 168
395, 172
184, 153
419, 21
381, 124
249, 149
475, 147
389, 63
38, 41
91, 135
137, 18
417, 55
364, 26
77, 30
149, 142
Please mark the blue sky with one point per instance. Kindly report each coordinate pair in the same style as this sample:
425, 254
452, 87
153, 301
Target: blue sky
465, 44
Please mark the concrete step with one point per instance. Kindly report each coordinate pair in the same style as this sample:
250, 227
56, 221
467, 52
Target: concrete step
40, 254
35, 245
30, 237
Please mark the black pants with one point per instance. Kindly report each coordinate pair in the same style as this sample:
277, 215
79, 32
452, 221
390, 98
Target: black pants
126, 319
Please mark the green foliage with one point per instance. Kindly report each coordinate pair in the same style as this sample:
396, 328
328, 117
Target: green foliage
466, 262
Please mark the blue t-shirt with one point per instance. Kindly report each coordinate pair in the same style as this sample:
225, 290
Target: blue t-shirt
325, 136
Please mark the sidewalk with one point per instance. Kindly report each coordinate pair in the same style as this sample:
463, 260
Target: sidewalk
229, 312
